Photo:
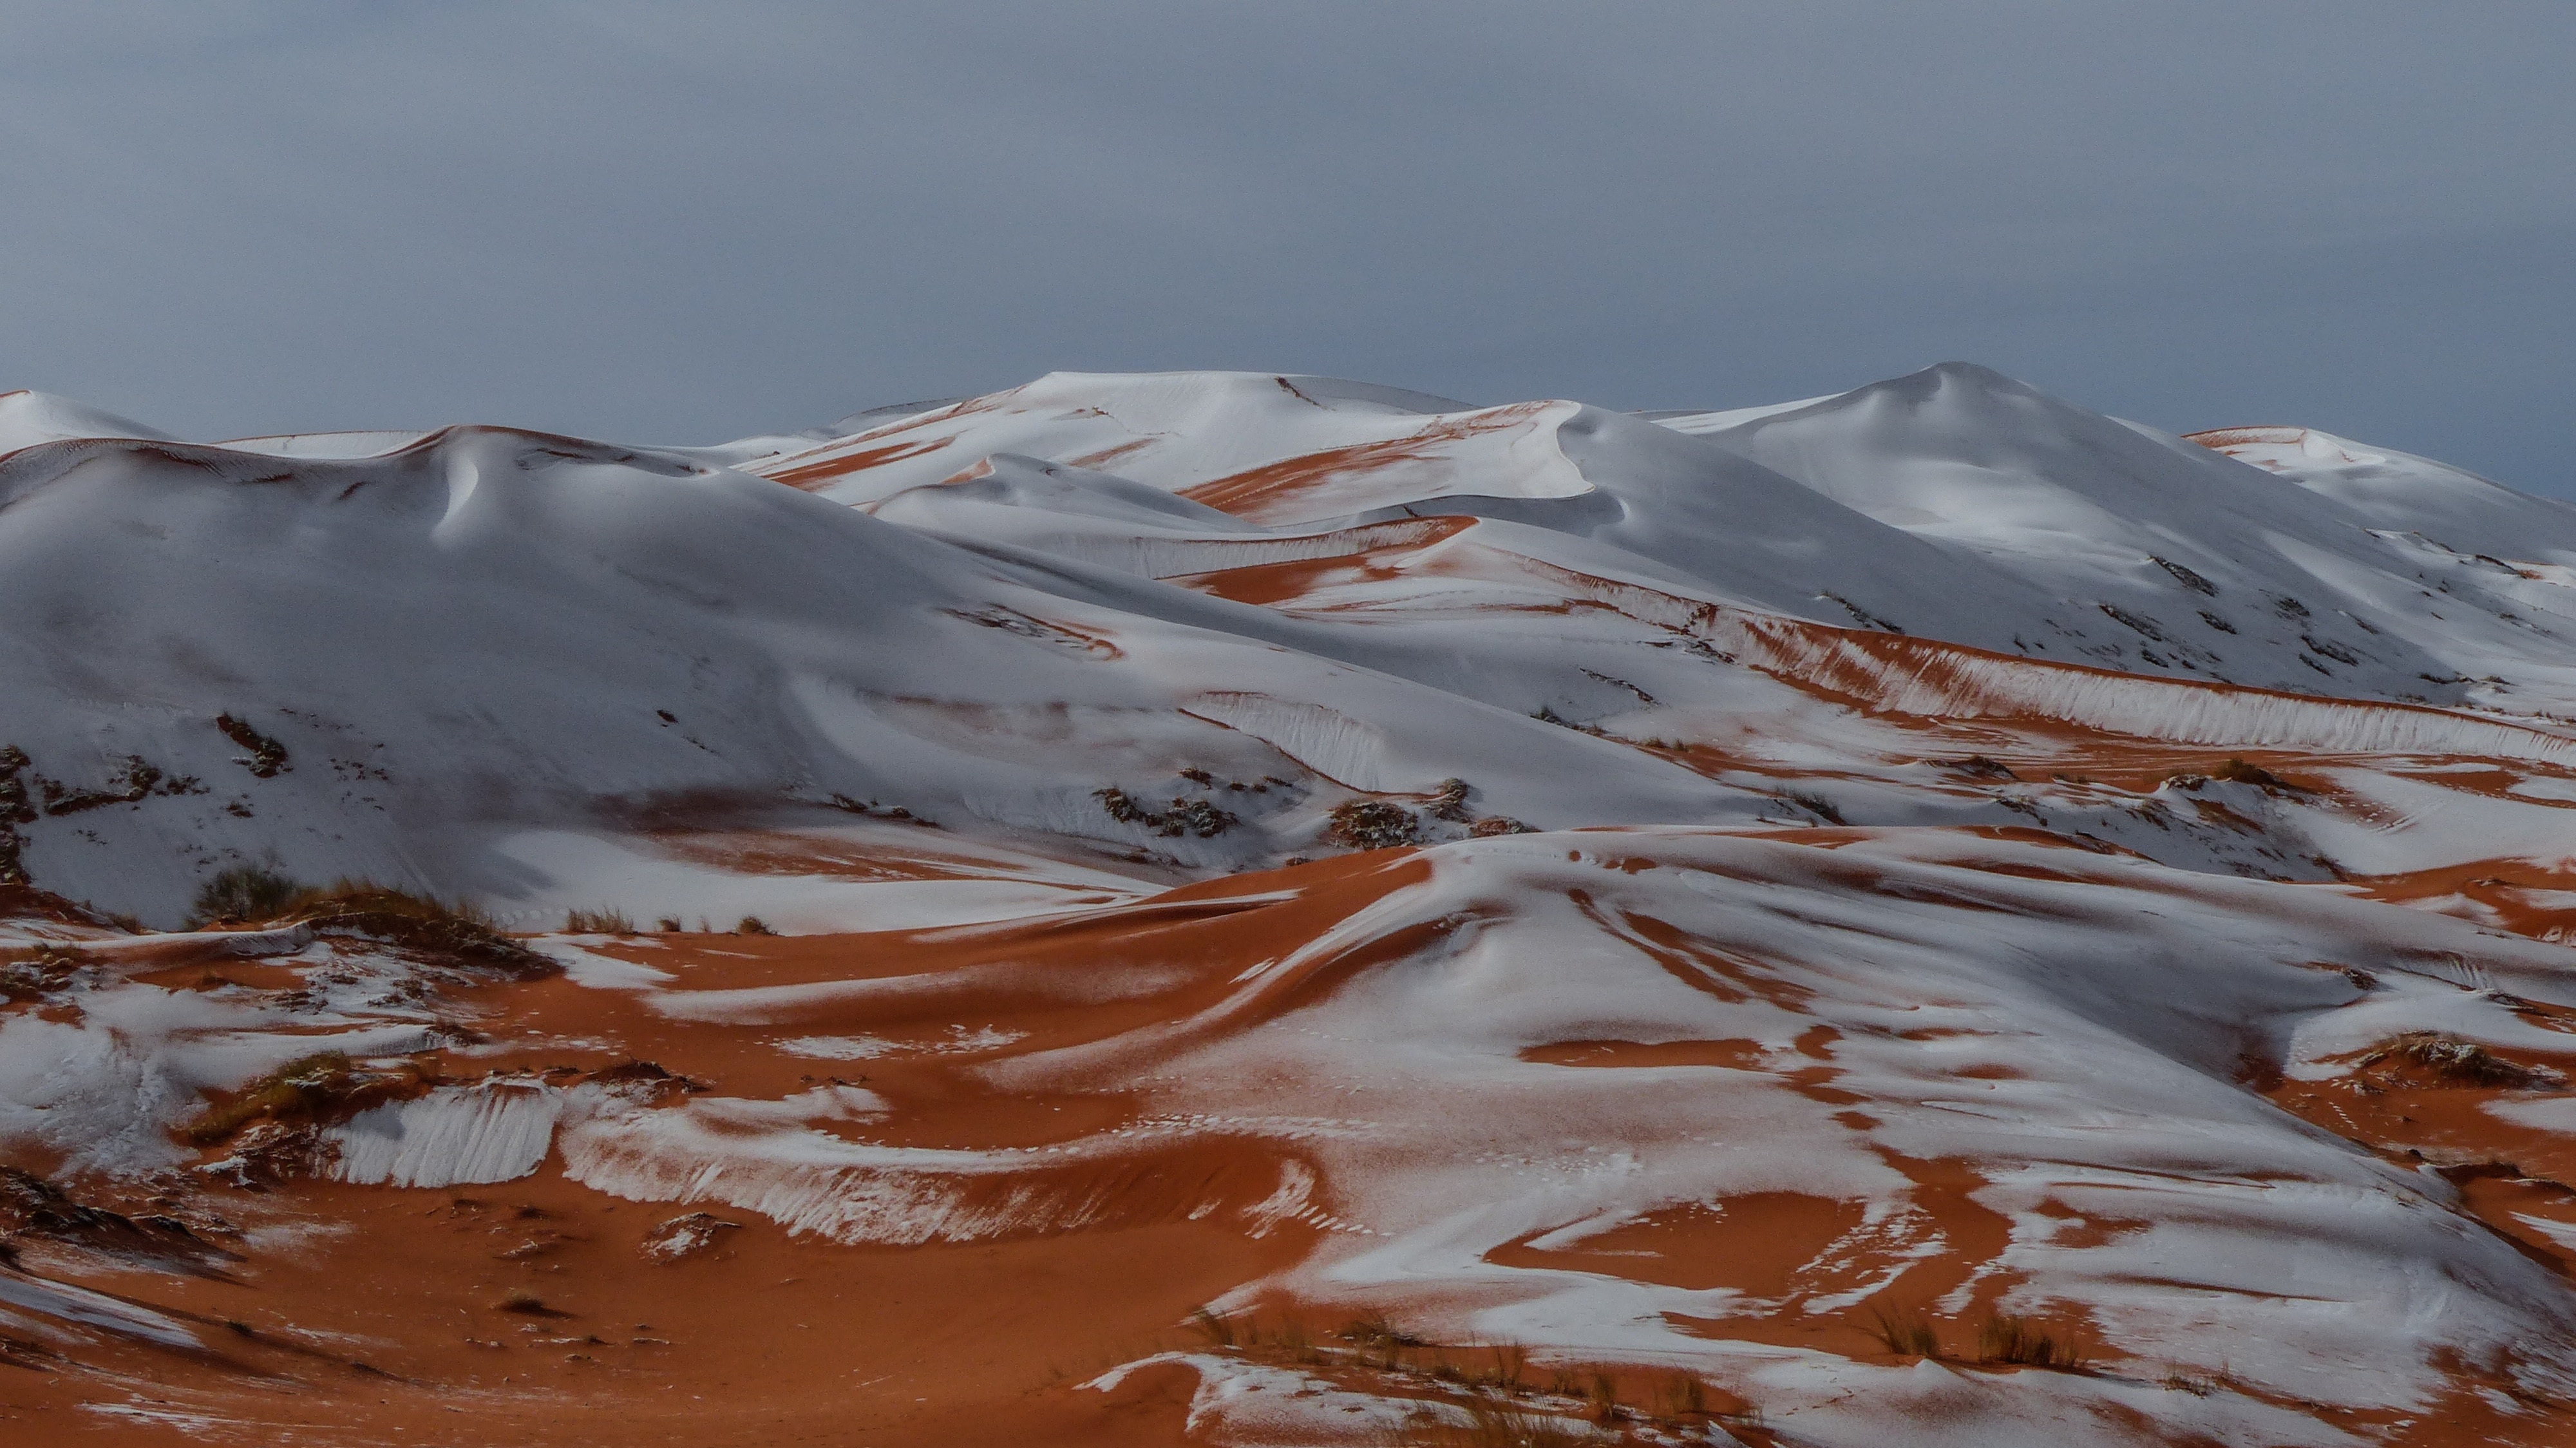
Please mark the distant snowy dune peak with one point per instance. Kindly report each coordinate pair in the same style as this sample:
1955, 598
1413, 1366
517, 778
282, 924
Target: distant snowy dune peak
489, 630
1953, 503
1924, 915
28, 418
2398, 490
459, 635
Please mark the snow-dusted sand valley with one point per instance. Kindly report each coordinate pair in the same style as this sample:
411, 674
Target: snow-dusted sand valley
1232, 909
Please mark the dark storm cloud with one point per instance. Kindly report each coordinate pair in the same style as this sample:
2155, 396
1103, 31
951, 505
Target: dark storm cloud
681, 222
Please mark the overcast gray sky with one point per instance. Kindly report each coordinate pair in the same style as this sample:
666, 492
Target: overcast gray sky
682, 222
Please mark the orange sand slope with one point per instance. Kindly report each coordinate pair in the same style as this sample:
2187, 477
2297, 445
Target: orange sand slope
1289, 1157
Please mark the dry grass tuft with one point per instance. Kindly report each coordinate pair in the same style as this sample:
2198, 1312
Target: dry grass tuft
2025, 1343
258, 895
1511, 1366
1491, 1425
1215, 1326
753, 925
1682, 1396
598, 922
418, 922
1379, 1340
1603, 1396
1907, 1333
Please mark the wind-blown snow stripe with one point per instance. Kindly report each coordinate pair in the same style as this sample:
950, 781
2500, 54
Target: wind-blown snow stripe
1910, 676
495, 1132
1327, 741
1149, 556
1925, 677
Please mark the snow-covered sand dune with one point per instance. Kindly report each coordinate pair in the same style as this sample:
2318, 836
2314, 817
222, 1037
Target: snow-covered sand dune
1255, 909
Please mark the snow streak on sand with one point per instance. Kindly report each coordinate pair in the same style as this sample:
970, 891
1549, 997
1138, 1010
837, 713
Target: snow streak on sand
1255, 909
494, 1132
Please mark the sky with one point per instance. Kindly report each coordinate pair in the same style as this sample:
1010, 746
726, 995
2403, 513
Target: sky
678, 223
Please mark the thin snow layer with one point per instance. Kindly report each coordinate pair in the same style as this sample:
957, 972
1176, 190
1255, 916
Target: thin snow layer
1258, 1406
28, 418
573, 871
623, 635
644, 638
2411, 494
1933, 680
100, 1086
1954, 503
1955, 683
809, 1180
359, 444
2012, 1069
494, 1131
2070, 1044
78, 1306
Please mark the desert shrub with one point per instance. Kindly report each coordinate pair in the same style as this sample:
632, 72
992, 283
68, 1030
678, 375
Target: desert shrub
301, 1090
2184, 576
753, 925
2450, 1059
2020, 1341
1451, 802
668, 925
1183, 816
598, 922
2254, 774
267, 756
1374, 824
30, 974
1378, 1339
245, 893
1817, 805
